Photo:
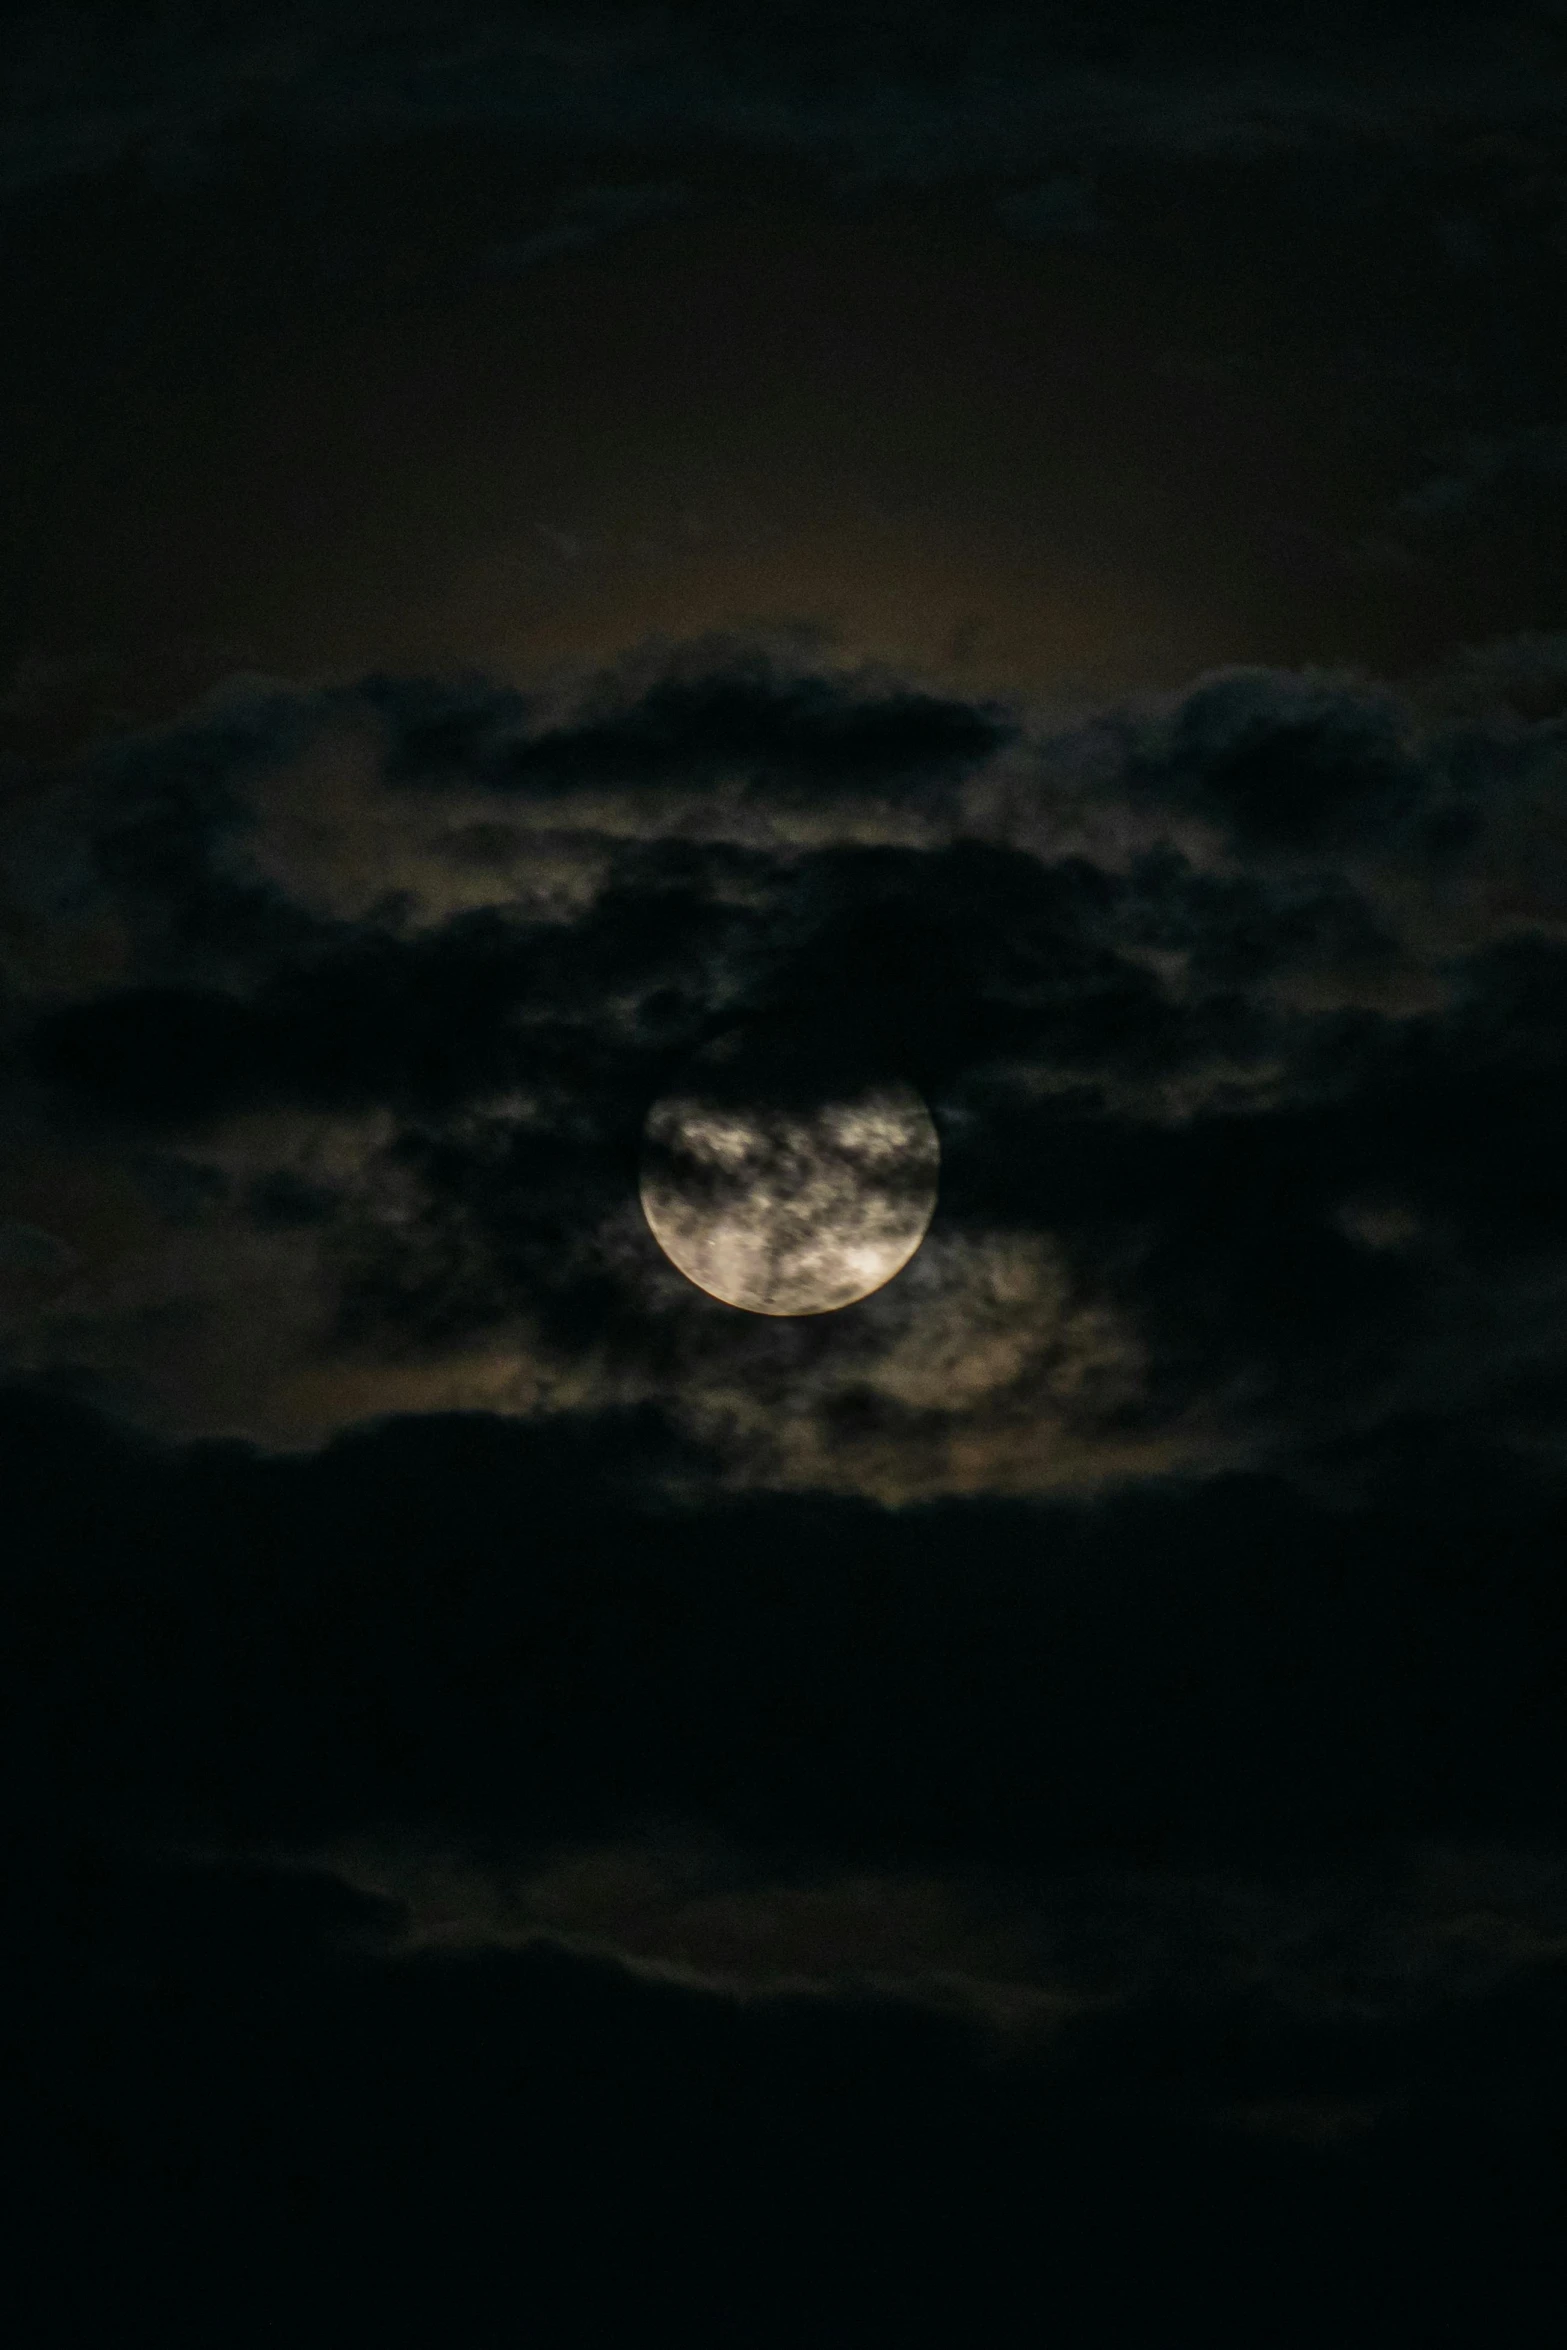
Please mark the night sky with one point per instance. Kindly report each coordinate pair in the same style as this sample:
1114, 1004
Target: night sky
1029, 545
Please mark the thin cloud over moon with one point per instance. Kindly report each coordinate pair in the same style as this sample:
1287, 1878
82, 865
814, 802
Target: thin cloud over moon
790, 1208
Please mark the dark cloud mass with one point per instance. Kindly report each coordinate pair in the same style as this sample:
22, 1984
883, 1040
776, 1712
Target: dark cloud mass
1230, 1822
1013, 550
872, 85
706, 725
1235, 1012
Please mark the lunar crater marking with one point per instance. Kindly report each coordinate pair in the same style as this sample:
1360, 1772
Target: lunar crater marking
797, 1208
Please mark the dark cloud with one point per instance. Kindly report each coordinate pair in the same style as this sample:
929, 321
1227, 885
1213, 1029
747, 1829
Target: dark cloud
982, 944
285, 1198
1490, 469
416, 2146
149, 836
714, 725
538, 1632
1285, 766
719, 714
729, 1860
878, 90
1239, 1023
429, 1021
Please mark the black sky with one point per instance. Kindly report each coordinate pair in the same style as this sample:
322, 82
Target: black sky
1026, 543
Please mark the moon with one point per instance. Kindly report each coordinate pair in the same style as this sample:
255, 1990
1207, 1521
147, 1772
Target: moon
785, 1195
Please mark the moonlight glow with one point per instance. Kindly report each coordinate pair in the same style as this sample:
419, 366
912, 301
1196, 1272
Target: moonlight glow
790, 1207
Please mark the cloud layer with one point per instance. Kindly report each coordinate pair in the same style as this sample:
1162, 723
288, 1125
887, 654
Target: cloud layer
877, 91
1239, 1012
1087, 1715
1208, 1815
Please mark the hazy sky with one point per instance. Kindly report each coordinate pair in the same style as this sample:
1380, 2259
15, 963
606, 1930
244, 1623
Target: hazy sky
1026, 543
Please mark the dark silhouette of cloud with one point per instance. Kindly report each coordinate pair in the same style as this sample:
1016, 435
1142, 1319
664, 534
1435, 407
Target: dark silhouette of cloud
413, 2146
720, 713
1486, 469
542, 1632
1201, 1849
878, 91
1302, 769
1240, 1016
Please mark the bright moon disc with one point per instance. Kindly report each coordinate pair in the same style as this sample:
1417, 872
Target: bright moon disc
789, 1205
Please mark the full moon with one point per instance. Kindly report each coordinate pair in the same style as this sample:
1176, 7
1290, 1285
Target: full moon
783, 1196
